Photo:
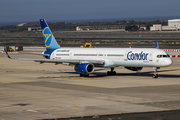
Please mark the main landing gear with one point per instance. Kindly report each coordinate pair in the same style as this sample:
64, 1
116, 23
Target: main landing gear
155, 72
112, 72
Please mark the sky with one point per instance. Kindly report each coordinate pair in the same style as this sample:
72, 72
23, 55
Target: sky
67, 10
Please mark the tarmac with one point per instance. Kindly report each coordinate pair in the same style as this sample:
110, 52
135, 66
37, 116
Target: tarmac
29, 90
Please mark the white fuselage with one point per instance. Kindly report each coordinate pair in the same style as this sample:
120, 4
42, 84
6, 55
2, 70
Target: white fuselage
114, 57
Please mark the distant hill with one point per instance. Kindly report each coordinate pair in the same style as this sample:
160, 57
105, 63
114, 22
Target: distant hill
32, 24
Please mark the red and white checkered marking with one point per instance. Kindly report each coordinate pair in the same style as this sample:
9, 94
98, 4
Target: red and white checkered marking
171, 50
175, 56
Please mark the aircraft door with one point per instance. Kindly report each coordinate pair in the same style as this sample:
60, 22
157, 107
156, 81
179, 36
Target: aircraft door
53, 56
70, 55
151, 56
125, 56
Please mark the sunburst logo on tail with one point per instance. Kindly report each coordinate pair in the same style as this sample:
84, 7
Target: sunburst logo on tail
48, 36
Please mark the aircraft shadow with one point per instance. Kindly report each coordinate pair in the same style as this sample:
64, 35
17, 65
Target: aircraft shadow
104, 74
148, 74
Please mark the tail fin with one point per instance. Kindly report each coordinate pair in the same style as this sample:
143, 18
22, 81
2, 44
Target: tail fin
157, 45
49, 40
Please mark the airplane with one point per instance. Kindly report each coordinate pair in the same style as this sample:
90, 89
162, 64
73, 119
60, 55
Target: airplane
85, 60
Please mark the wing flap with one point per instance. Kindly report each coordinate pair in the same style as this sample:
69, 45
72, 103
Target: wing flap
73, 61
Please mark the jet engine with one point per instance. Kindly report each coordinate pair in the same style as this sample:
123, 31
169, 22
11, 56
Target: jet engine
84, 68
134, 68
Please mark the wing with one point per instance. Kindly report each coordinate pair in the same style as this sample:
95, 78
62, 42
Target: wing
73, 61
59, 61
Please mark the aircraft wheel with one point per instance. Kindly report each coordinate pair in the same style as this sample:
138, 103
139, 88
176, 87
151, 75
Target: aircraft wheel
114, 72
155, 76
87, 75
111, 73
81, 75
84, 75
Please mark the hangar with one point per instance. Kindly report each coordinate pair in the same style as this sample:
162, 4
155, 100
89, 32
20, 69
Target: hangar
174, 23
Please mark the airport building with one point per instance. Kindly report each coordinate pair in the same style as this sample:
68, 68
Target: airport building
109, 27
173, 25
34, 29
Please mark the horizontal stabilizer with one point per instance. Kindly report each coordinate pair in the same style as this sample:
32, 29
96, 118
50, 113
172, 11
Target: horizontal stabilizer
35, 53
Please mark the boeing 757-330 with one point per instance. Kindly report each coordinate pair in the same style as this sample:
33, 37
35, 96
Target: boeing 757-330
85, 60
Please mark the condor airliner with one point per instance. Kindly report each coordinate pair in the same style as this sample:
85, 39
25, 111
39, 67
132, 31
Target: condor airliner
85, 60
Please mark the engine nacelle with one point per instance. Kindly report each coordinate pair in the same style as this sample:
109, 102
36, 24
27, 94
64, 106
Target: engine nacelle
134, 68
84, 68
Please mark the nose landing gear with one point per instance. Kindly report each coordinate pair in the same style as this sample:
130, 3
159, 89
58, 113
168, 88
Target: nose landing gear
155, 72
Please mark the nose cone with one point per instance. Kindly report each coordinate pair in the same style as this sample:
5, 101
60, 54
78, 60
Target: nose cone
168, 61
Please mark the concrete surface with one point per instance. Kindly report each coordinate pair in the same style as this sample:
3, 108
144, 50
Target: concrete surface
29, 90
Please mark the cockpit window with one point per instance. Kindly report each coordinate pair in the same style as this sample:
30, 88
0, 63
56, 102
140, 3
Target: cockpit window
162, 56
159, 56
165, 56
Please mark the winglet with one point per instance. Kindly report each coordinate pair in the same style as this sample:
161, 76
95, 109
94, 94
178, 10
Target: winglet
7, 53
157, 45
